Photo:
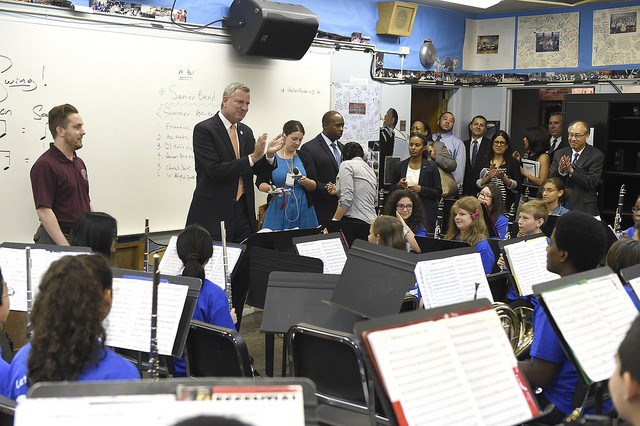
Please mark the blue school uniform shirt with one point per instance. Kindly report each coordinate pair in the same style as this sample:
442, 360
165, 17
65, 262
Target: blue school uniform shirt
110, 366
212, 307
630, 232
487, 256
502, 223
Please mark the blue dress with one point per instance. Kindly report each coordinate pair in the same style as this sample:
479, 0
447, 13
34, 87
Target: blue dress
290, 210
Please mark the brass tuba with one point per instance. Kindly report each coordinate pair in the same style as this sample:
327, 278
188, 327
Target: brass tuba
518, 325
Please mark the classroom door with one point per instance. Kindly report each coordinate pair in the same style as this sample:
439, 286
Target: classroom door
427, 103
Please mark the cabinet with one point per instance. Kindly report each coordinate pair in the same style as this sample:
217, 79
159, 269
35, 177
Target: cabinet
615, 120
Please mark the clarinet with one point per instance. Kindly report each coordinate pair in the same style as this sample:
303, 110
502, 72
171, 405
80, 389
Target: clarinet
510, 216
27, 251
438, 229
525, 196
154, 357
617, 229
146, 245
225, 264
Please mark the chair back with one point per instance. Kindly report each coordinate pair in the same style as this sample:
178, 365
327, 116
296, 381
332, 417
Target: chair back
410, 303
214, 351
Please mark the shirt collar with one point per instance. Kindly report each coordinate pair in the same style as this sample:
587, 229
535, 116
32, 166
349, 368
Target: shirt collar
227, 123
327, 140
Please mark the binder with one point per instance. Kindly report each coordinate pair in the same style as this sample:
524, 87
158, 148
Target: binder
447, 365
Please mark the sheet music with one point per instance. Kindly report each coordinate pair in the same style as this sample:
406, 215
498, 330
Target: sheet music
128, 325
170, 264
451, 371
634, 283
593, 317
330, 251
159, 410
528, 264
13, 262
452, 280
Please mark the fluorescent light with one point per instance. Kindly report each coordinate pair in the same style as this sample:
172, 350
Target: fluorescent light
480, 4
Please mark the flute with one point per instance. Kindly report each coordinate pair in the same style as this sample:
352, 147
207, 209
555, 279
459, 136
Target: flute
154, 356
617, 222
225, 264
27, 251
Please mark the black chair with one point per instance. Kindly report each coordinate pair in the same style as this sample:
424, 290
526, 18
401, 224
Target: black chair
7, 411
213, 351
334, 361
410, 303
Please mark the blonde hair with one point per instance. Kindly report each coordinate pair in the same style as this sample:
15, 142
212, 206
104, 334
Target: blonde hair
477, 231
389, 230
536, 208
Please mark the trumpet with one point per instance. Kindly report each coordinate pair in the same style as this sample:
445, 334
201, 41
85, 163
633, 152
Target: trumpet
617, 222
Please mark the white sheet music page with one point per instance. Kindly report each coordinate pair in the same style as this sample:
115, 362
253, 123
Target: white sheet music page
634, 283
213, 270
14, 270
330, 251
128, 325
452, 280
450, 371
528, 264
593, 317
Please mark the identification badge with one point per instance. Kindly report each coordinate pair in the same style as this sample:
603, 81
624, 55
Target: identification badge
290, 180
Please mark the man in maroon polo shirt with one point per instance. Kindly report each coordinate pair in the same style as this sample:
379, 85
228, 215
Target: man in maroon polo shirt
59, 179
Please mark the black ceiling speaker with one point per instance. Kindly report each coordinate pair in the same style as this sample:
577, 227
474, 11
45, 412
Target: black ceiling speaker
274, 30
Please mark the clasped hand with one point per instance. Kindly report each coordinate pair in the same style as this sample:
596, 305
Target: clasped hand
564, 166
271, 148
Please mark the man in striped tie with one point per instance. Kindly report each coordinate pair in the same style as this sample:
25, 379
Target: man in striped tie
580, 167
478, 149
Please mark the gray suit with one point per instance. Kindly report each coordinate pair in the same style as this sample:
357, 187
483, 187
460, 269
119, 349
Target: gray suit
587, 175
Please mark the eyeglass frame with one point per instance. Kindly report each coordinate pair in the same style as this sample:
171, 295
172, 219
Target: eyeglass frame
484, 196
406, 207
577, 135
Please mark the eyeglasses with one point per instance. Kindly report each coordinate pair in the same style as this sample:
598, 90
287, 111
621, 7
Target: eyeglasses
549, 190
499, 142
577, 135
404, 207
634, 210
484, 196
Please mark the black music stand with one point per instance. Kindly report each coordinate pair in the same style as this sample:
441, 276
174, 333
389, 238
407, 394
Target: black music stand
350, 230
630, 273
549, 225
374, 280
278, 240
428, 244
264, 261
296, 297
170, 387
193, 292
7, 411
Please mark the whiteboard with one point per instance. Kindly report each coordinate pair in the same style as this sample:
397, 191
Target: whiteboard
140, 92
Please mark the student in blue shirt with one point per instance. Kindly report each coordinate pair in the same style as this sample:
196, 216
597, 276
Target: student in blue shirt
578, 244
624, 385
68, 342
630, 232
406, 206
491, 197
195, 248
467, 224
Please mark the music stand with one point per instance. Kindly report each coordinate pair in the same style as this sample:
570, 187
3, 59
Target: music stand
68, 392
428, 245
325, 248
296, 297
279, 240
509, 268
374, 280
350, 230
549, 224
193, 292
630, 276
264, 261
7, 411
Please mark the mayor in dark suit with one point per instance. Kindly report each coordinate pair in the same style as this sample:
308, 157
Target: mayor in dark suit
226, 158
326, 152
479, 145
580, 168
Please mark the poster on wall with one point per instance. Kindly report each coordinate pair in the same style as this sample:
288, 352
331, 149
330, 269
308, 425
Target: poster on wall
548, 41
359, 104
488, 44
615, 36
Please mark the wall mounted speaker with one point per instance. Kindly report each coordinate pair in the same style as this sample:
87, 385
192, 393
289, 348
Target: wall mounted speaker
396, 18
274, 30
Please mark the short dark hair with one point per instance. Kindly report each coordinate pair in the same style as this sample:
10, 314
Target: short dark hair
538, 139
426, 126
478, 116
423, 138
59, 117
394, 116
96, 230
352, 150
582, 236
292, 126
506, 137
327, 116
629, 351
622, 254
